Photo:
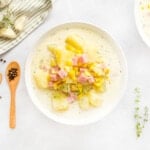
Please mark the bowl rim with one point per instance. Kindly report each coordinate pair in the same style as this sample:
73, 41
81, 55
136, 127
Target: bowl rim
144, 38
125, 69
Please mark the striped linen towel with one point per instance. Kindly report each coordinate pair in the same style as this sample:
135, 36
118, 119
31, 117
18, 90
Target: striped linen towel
35, 10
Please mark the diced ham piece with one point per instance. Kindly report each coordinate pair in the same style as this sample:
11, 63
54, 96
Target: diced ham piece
62, 73
75, 61
54, 69
54, 77
82, 78
82, 70
82, 59
51, 84
101, 66
72, 97
91, 79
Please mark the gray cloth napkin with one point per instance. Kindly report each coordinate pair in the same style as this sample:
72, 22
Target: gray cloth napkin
36, 10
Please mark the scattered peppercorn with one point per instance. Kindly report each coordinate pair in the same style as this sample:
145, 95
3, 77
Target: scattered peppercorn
12, 74
2, 60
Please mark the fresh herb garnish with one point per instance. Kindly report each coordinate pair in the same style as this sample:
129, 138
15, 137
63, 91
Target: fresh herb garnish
65, 88
86, 89
140, 118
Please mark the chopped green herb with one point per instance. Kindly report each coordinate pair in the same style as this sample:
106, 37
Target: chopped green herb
65, 88
145, 115
86, 89
140, 119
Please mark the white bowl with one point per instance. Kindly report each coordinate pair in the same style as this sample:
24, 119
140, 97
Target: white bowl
70, 117
138, 22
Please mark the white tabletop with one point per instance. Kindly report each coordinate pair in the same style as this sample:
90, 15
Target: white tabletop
34, 131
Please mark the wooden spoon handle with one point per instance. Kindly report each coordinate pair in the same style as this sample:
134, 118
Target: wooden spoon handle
0, 78
12, 121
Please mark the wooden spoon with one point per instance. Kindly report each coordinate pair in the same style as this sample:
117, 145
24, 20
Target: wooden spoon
13, 82
0, 78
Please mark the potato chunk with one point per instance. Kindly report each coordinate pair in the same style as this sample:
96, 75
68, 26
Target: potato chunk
56, 52
60, 104
60, 55
84, 103
94, 100
41, 79
73, 43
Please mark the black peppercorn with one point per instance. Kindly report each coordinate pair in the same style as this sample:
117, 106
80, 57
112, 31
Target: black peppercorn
2, 60
12, 74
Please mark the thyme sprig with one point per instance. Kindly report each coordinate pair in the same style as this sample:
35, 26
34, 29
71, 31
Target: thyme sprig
140, 119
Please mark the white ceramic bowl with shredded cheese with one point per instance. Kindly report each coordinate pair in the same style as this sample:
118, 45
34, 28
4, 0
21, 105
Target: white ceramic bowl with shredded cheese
142, 19
112, 53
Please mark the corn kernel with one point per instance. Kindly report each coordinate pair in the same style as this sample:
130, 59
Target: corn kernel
106, 70
53, 62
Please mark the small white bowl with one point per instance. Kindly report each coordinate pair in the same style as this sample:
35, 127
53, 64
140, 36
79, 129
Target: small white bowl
138, 22
91, 115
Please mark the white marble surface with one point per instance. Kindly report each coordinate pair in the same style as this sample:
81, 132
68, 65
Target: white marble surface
34, 131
